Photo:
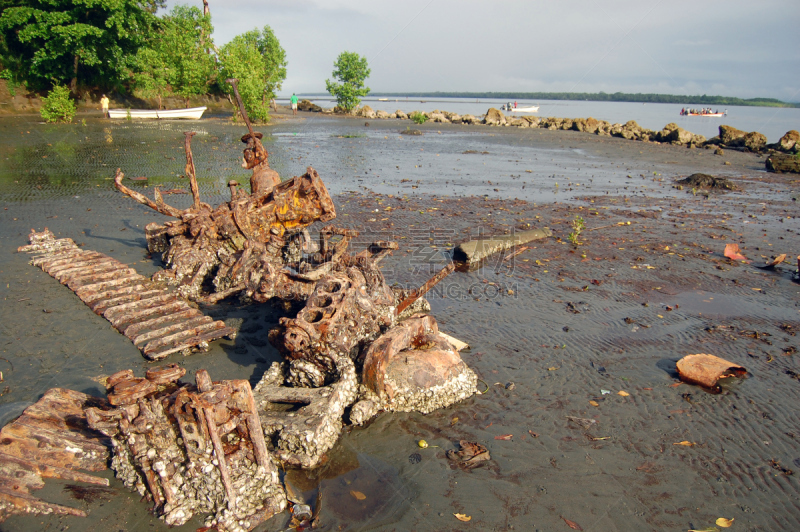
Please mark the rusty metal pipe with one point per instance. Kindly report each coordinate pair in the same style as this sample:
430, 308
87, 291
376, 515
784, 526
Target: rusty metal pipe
422, 290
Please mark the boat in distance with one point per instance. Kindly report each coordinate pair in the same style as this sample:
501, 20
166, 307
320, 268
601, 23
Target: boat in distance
530, 109
193, 113
705, 114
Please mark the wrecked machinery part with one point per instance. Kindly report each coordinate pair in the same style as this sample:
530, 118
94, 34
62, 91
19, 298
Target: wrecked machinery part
158, 321
349, 307
302, 436
241, 242
706, 370
192, 449
51, 439
473, 252
414, 368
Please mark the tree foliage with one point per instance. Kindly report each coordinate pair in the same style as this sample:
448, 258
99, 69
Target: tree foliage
185, 45
351, 71
57, 106
51, 42
258, 61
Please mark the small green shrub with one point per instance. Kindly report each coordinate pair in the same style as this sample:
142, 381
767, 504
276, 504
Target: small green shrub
10, 84
418, 118
577, 226
58, 106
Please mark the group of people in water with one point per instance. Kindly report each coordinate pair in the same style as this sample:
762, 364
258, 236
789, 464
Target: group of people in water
704, 111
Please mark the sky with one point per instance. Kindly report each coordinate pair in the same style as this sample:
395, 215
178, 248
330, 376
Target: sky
740, 48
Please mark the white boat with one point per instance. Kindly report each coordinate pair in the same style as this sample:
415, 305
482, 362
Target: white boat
531, 109
193, 113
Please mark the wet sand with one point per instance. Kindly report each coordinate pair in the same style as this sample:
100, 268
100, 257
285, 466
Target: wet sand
561, 323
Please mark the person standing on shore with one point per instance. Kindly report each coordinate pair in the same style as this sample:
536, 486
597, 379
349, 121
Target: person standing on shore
104, 105
294, 104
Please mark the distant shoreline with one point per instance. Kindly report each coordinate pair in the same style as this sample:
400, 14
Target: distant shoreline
595, 97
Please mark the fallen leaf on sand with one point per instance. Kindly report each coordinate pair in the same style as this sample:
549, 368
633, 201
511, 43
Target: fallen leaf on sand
724, 523
358, 495
675, 385
685, 443
504, 437
553, 368
732, 252
594, 403
572, 524
709, 529
462, 517
623, 393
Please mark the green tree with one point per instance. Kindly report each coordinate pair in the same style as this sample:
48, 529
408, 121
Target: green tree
57, 105
150, 75
258, 61
83, 42
351, 71
184, 45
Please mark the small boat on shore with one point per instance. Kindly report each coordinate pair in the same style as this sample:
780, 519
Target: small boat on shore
529, 109
192, 113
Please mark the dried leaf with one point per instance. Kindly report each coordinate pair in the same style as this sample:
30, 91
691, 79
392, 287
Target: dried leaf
462, 517
685, 443
552, 368
623, 393
732, 252
709, 529
358, 495
724, 523
572, 524
504, 437
594, 403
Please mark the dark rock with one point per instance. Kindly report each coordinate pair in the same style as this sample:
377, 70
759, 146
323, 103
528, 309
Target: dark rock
728, 134
707, 182
306, 105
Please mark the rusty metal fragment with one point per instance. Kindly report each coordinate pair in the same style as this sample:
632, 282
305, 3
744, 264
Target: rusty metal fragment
51, 439
191, 449
156, 320
706, 370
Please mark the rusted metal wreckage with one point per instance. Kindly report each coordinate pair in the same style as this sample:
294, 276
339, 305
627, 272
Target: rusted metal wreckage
357, 347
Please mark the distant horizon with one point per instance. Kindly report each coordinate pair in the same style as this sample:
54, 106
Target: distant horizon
615, 96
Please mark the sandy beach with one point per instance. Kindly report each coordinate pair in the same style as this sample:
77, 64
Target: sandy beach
556, 332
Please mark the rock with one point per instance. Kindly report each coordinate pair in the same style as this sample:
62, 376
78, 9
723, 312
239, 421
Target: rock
706, 181
454, 118
363, 411
401, 115
672, 126
698, 139
783, 163
754, 141
533, 121
719, 151
468, 119
413, 368
382, 115
306, 105
678, 136
789, 141
729, 134
494, 117
588, 125
438, 117
366, 112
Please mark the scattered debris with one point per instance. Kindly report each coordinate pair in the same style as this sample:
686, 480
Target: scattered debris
706, 370
774, 262
732, 252
471, 455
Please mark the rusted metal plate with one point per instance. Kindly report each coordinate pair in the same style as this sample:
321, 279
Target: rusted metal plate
51, 439
157, 321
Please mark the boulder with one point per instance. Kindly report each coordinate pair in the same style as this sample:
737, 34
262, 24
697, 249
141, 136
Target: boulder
698, 140
678, 136
494, 117
729, 134
306, 105
366, 112
789, 141
437, 116
754, 141
382, 114
533, 121
783, 163
454, 118
587, 125
401, 115
468, 119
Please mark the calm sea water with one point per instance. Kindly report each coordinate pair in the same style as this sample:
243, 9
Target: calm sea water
772, 122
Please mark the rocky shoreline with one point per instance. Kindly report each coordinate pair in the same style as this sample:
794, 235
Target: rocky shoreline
729, 137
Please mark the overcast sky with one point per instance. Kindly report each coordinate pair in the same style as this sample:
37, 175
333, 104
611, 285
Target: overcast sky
742, 48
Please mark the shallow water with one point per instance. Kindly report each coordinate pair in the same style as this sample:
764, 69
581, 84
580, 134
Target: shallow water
560, 327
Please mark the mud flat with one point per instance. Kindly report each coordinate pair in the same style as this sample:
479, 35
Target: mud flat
550, 329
